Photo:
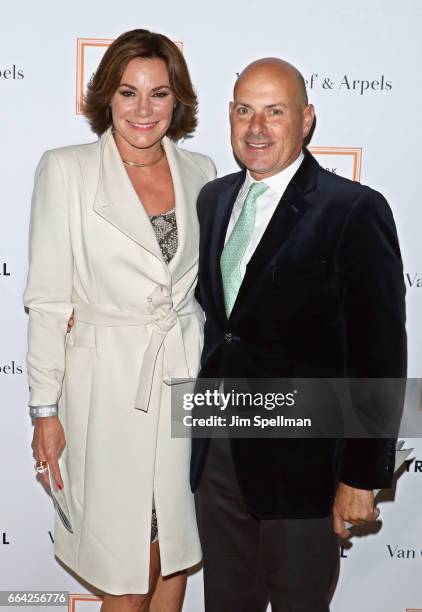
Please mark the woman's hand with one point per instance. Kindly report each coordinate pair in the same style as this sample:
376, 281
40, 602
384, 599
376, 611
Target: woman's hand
48, 443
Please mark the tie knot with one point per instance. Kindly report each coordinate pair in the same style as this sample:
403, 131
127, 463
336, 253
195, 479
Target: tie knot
256, 189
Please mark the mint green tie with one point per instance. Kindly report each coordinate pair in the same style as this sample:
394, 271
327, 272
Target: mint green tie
236, 245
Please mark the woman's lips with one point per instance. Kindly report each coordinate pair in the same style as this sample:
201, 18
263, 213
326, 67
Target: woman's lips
142, 126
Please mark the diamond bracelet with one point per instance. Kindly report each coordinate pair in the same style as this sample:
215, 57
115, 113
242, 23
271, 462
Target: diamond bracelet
43, 411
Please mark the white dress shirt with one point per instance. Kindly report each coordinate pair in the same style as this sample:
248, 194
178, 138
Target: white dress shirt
265, 206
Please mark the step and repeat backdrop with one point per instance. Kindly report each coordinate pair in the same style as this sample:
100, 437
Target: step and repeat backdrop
361, 62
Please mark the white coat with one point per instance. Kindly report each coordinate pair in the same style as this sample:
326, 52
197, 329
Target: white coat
93, 250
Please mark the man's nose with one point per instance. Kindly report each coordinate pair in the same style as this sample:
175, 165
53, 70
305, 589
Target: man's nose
257, 124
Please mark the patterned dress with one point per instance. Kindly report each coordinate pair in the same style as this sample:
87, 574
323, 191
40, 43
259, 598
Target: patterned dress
165, 229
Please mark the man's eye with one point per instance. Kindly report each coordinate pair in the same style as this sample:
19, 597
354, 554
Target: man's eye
242, 110
276, 111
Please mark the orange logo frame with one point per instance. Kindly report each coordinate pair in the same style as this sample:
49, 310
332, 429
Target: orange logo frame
81, 45
355, 152
73, 599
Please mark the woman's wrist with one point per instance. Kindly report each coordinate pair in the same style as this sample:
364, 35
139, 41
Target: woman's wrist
36, 412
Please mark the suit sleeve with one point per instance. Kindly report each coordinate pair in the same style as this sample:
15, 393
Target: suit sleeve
49, 287
374, 298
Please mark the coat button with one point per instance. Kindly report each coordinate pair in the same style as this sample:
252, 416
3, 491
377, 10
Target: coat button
228, 337
389, 468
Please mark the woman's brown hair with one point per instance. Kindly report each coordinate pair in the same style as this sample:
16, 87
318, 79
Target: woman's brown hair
144, 44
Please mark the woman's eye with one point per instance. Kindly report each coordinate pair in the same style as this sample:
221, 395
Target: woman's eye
127, 93
161, 94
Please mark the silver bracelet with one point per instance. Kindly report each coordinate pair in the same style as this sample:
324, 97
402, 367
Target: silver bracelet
43, 411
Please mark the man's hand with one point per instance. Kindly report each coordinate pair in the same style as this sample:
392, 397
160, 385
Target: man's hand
70, 322
354, 506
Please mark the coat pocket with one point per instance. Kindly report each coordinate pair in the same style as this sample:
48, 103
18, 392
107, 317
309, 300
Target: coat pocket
82, 335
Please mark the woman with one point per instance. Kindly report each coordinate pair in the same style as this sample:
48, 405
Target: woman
114, 239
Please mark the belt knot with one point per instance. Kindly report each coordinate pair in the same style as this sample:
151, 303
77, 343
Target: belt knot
160, 306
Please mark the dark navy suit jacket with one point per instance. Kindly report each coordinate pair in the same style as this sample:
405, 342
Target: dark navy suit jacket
323, 296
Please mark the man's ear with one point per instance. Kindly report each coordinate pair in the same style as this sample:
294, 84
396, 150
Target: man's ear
231, 106
308, 119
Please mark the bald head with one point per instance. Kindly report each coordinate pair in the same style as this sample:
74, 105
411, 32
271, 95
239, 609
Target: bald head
275, 68
269, 116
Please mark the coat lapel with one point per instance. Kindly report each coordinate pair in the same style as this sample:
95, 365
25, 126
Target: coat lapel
117, 201
290, 210
186, 189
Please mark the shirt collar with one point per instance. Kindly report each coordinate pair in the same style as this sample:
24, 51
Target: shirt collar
278, 182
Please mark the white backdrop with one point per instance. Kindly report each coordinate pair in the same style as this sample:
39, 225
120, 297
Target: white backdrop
362, 63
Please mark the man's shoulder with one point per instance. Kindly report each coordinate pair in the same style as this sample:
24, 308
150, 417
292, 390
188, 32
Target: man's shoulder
336, 182
345, 196
209, 196
344, 188
222, 183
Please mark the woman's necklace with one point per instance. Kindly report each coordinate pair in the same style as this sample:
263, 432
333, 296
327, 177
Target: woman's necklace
135, 165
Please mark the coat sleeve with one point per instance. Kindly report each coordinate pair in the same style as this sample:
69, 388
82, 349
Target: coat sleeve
374, 298
212, 170
49, 287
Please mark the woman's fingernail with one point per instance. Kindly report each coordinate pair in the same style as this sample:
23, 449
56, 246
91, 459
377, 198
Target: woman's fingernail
60, 486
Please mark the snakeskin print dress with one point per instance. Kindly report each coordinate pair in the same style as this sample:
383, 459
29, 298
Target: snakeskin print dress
165, 229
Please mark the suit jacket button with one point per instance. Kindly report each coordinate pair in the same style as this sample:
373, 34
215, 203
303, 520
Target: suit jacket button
389, 468
228, 337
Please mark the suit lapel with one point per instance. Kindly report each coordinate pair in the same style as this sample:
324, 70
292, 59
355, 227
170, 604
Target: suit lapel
117, 201
225, 204
290, 210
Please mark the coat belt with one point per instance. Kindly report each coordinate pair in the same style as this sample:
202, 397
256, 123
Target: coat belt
163, 323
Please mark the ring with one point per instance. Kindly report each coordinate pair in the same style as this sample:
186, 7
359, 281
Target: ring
41, 467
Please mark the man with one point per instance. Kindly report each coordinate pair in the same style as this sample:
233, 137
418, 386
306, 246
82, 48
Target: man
300, 275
